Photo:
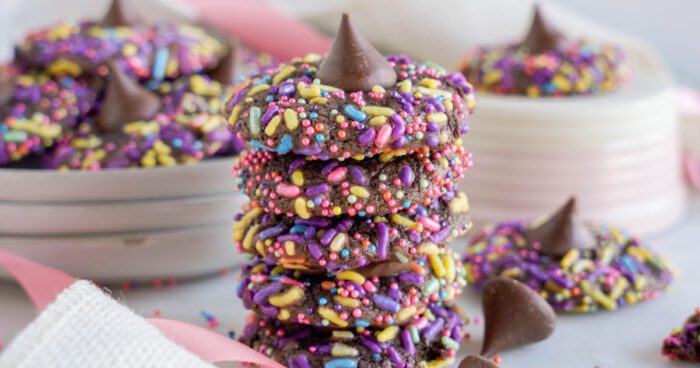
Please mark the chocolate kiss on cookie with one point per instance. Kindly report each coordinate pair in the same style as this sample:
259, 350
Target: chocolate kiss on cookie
125, 101
353, 64
225, 71
514, 315
119, 15
561, 232
475, 361
542, 36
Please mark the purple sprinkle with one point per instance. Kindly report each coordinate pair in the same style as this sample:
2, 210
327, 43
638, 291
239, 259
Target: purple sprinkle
269, 114
237, 98
382, 240
456, 332
269, 310
344, 225
399, 126
414, 236
407, 176
433, 329
270, 232
408, 342
440, 236
400, 142
369, 344
326, 170
292, 362
315, 251
308, 151
286, 89
297, 163
317, 189
291, 237
395, 357
386, 303
262, 294
309, 232
432, 127
315, 222
357, 175
432, 141
395, 294
411, 277
303, 361
367, 137
328, 237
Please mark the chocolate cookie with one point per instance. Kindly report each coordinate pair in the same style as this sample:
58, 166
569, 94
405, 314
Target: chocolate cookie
341, 243
378, 295
431, 339
185, 127
684, 343
603, 267
41, 110
546, 63
280, 184
289, 110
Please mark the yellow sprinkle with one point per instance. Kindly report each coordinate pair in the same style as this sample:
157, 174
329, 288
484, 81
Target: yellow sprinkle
347, 302
388, 334
142, 128
309, 92
161, 147
460, 204
332, 317
631, 298
377, 120
342, 350
511, 272
434, 92
360, 192
289, 247
129, 50
437, 363
288, 297
450, 269
351, 276
430, 82
250, 236
149, 159
246, 220
406, 313
378, 111
283, 315
283, 74
312, 58
492, 76
404, 221
378, 89
213, 123
598, 295
406, 86
260, 247
64, 66
640, 283
568, 259
436, 264
300, 208
388, 156
318, 101
338, 242
428, 248
342, 335
259, 88
438, 117
298, 178
619, 288
290, 119
448, 105
234, 115
271, 127
337, 210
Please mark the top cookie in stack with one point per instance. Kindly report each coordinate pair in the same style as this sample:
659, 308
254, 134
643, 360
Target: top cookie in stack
353, 201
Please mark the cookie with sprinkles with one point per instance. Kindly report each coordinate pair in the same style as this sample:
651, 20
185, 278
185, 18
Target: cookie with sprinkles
379, 295
684, 343
149, 52
546, 63
431, 339
387, 183
41, 110
333, 245
178, 123
352, 103
576, 266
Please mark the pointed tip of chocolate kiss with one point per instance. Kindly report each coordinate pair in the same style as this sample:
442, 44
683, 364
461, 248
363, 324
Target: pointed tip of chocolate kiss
125, 101
561, 231
119, 15
514, 315
353, 64
475, 361
542, 36
225, 70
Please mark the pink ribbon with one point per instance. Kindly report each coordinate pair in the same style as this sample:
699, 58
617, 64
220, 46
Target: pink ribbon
261, 27
43, 284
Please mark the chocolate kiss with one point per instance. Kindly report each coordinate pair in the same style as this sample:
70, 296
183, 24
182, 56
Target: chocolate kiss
125, 101
542, 36
475, 361
514, 315
225, 71
353, 64
118, 15
561, 232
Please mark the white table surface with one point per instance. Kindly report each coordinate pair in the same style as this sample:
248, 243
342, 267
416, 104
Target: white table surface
629, 338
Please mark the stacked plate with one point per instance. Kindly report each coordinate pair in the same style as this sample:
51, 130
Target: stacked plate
619, 153
132, 224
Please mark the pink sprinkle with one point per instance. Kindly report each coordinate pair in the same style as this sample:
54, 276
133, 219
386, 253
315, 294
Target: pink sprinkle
430, 224
288, 190
383, 135
337, 175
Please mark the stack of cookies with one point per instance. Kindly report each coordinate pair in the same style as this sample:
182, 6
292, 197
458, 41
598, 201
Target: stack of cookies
351, 178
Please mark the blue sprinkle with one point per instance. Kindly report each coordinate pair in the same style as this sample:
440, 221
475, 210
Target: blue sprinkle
177, 142
341, 363
361, 213
197, 145
322, 301
344, 253
406, 204
313, 115
376, 356
334, 290
372, 248
232, 335
269, 98
324, 93
297, 229
152, 84
361, 323
354, 113
259, 146
319, 137
443, 294
285, 144
160, 61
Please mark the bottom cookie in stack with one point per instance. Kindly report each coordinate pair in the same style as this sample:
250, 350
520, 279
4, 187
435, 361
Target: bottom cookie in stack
431, 340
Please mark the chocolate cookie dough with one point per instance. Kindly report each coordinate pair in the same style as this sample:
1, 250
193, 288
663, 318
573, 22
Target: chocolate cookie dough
378, 295
282, 184
684, 343
295, 108
431, 339
341, 243
554, 257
